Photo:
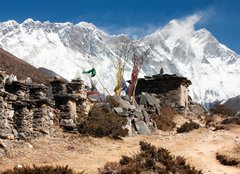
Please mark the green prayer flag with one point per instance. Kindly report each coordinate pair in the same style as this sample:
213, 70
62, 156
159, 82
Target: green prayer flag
91, 71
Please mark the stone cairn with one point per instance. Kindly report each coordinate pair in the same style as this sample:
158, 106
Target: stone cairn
139, 116
6, 110
29, 110
42, 112
22, 106
70, 99
25, 109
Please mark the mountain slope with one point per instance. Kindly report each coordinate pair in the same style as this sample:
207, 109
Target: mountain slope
13, 65
233, 104
68, 49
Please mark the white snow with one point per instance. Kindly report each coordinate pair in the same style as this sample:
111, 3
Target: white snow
68, 49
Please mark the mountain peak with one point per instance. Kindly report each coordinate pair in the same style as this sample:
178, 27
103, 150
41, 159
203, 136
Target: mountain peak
68, 49
10, 23
86, 25
29, 20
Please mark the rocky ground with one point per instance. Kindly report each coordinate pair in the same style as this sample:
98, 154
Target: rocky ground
88, 154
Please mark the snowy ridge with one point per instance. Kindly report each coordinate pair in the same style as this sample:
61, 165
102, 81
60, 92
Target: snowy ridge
68, 49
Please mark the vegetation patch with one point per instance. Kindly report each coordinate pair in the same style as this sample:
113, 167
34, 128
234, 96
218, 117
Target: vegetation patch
228, 161
165, 120
150, 160
102, 121
187, 127
41, 170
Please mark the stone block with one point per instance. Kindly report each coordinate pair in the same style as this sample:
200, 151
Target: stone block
142, 128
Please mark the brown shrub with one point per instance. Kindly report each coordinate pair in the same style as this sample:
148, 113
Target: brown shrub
186, 127
227, 161
150, 160
41, 170
103, 122
165, 120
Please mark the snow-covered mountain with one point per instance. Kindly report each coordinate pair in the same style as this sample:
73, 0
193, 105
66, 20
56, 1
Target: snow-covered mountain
68, 49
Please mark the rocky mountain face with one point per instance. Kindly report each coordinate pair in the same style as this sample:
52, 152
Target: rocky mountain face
233, 104
68, 49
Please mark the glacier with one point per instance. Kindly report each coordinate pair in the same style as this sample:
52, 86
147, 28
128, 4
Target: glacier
178, 48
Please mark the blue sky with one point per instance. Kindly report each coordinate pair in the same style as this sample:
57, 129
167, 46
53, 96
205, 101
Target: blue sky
134, 17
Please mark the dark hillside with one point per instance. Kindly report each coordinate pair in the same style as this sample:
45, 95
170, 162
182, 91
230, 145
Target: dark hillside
13, 65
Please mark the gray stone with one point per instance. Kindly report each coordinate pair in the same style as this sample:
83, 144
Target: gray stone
2, 153
128, 126
143, 100
152, 125
5, 144
15, 132
168, 102
126, 97
117, 98
138, 114
12, 97
118, 110
142, 128
125, 104
150, 100
68, 124
237, 115
172, 105
146, 116
22, 136
94, 97
158, 109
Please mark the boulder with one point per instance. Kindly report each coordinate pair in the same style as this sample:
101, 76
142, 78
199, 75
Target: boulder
118, 110
142, 128
5, 144
138, 115
125, 104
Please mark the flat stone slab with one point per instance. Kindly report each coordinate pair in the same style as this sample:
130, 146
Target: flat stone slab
142, 128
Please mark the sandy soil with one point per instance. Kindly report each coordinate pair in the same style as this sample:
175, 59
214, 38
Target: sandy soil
88, 154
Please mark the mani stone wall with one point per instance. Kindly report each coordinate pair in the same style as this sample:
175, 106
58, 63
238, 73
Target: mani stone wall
70, 98
172, 89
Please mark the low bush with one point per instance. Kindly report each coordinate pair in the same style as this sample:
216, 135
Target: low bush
101, 121
165, 120
225, 160
187, 127
41, 170
150, 160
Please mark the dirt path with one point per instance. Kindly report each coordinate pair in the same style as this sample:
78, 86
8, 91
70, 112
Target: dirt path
88, 154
